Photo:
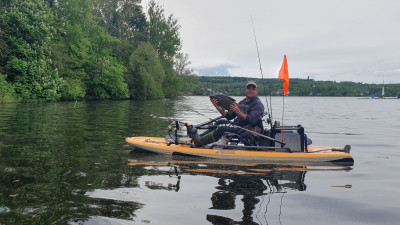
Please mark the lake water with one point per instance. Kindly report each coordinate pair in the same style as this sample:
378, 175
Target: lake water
67, 163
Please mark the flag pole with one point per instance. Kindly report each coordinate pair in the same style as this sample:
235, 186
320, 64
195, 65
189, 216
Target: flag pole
283, 113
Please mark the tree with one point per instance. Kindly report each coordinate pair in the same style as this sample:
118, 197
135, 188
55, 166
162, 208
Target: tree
173, 84
84, 54
107, 79
4, 48
164, 37
145, 74
181, 62
71, 45
163, 32
70, 56
122, 19
106, 74
70, 49
27, 27
7, 93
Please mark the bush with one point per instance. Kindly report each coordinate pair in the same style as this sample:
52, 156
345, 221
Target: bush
7, 93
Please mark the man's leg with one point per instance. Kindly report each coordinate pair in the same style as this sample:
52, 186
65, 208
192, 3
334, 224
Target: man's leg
213, 136
213, 127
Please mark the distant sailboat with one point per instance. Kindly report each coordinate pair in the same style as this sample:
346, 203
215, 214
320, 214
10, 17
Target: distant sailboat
383, 93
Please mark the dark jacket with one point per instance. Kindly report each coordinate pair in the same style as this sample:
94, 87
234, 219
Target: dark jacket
254, 110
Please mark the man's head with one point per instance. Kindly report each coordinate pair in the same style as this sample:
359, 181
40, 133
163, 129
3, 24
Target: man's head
251, 89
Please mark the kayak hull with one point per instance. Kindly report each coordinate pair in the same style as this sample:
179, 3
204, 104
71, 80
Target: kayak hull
314, 154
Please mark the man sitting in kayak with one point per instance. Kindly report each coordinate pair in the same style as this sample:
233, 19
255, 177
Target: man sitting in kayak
248, 114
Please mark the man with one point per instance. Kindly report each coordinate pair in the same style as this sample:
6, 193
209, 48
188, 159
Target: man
248, 114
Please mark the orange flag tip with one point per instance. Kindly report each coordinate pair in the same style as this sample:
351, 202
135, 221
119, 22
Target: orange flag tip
284, 75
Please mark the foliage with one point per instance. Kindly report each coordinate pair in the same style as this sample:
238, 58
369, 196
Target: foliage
107, 79
145, 74
7, 93
163, 31
106, 74
71, 46
27, 32
172, 85
181, 63
122, 19
189, 82
164, 37
4, 48
101, 49
84, 54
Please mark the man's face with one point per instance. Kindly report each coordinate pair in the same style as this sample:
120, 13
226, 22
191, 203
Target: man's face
251, 91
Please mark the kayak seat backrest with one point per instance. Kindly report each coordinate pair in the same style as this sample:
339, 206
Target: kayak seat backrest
292, 140
293, 136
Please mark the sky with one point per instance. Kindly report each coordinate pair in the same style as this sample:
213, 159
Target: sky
329, 40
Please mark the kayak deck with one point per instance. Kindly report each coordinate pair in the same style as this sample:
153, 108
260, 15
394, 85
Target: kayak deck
315, 153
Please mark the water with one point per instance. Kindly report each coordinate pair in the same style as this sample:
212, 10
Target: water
63, 163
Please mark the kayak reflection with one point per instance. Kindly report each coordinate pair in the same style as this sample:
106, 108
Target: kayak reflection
240, 185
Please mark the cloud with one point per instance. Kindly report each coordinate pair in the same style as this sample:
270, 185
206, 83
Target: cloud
213, 69
341, 40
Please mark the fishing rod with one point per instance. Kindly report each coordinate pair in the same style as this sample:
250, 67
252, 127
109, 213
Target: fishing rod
269, 120
190, 108
254, 133
166, 117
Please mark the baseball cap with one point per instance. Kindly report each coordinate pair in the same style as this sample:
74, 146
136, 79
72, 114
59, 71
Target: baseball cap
251, 83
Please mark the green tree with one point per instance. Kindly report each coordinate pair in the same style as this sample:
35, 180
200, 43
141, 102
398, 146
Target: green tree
107, 80
145, 74
85, 55
7, 93
123, 19
173, 84
4, 48
163, 32
106, 74
186, 75
71, 55
164, 37
71, 46
27, 27
181, 63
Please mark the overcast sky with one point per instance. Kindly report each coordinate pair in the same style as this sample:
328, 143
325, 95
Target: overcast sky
337, 40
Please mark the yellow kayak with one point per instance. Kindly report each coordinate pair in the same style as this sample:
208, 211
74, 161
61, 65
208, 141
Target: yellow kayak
313, 153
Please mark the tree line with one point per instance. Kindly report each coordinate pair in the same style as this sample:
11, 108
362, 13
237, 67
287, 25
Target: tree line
297, 87
94, 49
55, 50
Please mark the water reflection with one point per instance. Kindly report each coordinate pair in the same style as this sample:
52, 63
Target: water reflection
62, 163
51, 154
244, 186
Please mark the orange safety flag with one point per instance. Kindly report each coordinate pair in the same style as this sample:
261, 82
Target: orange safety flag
284, 75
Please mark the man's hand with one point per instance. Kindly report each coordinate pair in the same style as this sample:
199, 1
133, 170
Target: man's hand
214, 101
234, 108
